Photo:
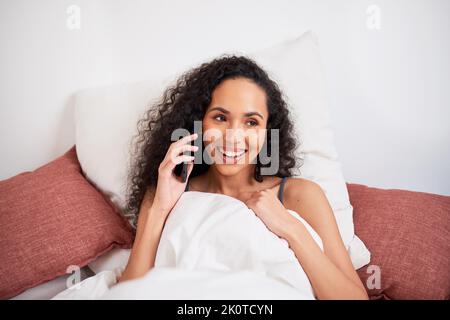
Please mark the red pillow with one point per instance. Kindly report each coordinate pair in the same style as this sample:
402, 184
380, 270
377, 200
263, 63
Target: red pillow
52, 218
408, 235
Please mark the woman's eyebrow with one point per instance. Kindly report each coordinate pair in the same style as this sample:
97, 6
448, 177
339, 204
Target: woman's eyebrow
247, 114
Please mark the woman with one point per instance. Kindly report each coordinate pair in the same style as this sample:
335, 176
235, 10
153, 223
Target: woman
232, 93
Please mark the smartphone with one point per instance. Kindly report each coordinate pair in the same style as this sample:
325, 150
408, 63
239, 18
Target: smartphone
181, 170
184, 171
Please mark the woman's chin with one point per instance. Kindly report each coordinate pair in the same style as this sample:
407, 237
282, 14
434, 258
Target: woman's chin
229, 169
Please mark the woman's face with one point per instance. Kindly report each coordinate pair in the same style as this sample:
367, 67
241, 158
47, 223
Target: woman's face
234, 125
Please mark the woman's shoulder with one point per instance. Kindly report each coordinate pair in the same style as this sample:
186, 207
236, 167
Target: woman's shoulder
301, 193
300, 186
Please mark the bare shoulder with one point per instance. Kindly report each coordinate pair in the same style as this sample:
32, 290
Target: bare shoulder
307, 198
298, 189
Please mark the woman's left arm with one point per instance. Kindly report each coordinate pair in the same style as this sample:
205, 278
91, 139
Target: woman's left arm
327, 279
330, 272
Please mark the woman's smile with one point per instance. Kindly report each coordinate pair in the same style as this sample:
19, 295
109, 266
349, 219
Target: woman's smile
231, 157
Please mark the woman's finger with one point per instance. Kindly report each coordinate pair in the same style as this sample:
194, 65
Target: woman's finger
168, 166
184, 140
176, 144
177, 160
180, 149
183, 158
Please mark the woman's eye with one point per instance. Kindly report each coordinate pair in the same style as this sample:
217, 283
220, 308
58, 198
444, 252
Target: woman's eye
219, 116
252, 123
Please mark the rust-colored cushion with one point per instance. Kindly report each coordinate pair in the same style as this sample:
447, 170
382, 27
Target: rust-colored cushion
52, 218
408, 235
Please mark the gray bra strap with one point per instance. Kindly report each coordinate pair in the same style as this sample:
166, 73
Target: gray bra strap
281, 190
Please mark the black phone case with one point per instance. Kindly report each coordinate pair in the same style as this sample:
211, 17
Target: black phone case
181, 169
184, 172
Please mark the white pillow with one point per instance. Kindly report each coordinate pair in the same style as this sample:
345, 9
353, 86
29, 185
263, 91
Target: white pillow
106, 120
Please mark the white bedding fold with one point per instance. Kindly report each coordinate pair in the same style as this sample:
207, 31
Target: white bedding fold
212, 247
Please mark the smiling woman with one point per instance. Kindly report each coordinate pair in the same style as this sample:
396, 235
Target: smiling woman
237, 103
230, 93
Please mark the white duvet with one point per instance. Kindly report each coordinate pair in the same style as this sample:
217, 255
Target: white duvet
212, 247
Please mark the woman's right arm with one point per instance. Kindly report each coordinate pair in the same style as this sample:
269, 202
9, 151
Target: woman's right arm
150, 225
155, 208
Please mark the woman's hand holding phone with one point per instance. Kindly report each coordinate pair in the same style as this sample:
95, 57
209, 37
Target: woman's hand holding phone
170, 186
168, 190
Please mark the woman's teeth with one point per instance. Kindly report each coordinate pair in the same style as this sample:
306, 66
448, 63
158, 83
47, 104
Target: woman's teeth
231, 154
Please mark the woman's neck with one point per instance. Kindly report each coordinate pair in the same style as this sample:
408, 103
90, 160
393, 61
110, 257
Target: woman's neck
233, 185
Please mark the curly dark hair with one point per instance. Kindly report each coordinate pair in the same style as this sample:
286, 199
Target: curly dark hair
187, 101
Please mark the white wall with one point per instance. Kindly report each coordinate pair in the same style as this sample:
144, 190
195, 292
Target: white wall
388, 88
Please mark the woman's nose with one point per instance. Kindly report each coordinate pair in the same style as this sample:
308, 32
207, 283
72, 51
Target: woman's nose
234, 134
